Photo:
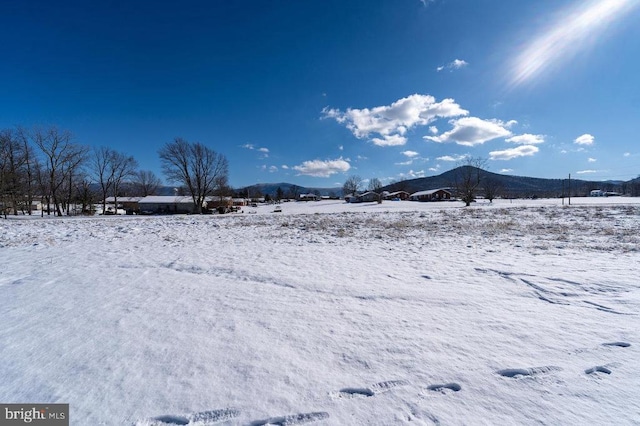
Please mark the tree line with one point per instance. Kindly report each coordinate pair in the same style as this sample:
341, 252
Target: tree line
47, 165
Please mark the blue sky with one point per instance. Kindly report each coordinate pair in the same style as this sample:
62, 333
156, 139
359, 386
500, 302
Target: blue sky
310, 92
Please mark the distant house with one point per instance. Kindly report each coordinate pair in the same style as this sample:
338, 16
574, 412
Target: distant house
127, 203
367, 197
398, 195
167, 204
308, 197
214, 203
240, 202
596, 193
431, 195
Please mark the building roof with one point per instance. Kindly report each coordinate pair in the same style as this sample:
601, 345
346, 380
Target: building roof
123, 199
429, 192
166, 199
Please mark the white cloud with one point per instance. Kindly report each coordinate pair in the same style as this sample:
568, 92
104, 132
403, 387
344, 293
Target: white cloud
410, 153
585, 139
413, 174
264, 151
404, 163
509, 154
506, 170
390, 140
452, 158
591, 160
471, 131
389, 123
273, 169
584, 172
435, 169
627, 154
320, 168
527, 139
341, 148
285, 167
456, 64
433, 130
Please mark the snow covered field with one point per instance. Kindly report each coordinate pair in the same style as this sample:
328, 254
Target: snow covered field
522, 312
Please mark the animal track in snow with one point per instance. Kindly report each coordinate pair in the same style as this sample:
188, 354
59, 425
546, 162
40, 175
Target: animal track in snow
534, 371
619, 344
372, 390
597, 369
451, 386
560, 291
294, 419
209, 417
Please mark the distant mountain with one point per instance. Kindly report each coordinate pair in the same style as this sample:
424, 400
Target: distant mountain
512, 186
287, 188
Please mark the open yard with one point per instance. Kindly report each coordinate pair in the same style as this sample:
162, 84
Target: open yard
522, 312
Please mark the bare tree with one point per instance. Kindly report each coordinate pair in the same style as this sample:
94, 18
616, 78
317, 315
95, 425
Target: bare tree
146, 183
376, 186
195, 166
102, 172
111, 170
11, 163
123, 168
492, 189
61, 159
468, 178
352, 185
294, 192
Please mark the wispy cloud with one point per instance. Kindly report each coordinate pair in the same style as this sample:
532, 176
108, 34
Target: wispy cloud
591, 160
456, 64
584, 172
573, 31
526, 139
452, 158
388, 124
410, 154
412, 174
506, 170
471, 131
585, 139
322, 168
510, 154
264, 152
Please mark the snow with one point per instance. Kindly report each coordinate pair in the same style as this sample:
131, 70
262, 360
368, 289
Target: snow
511, 312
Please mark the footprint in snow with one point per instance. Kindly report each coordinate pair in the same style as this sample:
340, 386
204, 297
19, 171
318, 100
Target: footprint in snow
597, 369
294, 419
534, 371
441, 388
372, 390
209, 417
618, 344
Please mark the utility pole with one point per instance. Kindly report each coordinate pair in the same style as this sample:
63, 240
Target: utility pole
569, 188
